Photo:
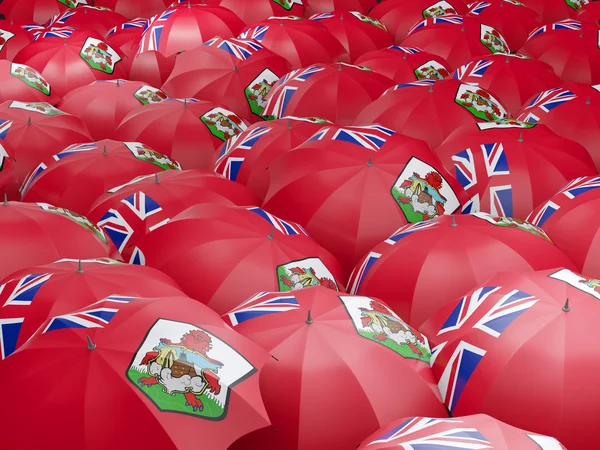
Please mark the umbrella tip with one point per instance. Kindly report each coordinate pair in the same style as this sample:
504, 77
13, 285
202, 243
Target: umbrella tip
65, 42
29, 121
271, 235
105, 152
91, 345
280, 22
5, 202
185, 102
340, 66
370, 162
289, 124
463, 29
156, 178
430, 87
453, 220
79, 267
520, 137
404, 55
507, 58
235, 68
566, 307
118, 82
309, 318
589, 100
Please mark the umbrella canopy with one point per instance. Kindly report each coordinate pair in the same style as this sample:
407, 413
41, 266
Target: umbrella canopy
336, 92
570, 47
152, 67
25, 84
589, 12
512, 79
321, 6
351, 187
33, 295
555, 10
12, 39
405, 64
399, 16
247, 157
38, 11
476, 431
337, 344
509, 168
187, 26
357, 32
455, 38
571, 111
38, 233
127, 363
128, 212
256, 252
473, 247
86, 17
135, 8
251, 11
512, 19
187, 130
9, 182
125, 38
103, 104
571, 219
77, 176
236, 72
70, 58
301, 42
408, 108
504, 349
35, 131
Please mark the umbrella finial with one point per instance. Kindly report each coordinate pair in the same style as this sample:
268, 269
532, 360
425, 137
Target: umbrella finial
280, 22
404, 55
105, 152
79, 267
118, 82
271, 235
289, 124
430, 87
5, 202
566, 307
507, 58
91, 345
156, 178
235, 69
370, 162
588, 101
520, 137
340, 66
29, 121
185, 102
309, 318
463, 29
65, 42
453, 221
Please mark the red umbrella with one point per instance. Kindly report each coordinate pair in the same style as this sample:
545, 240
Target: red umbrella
589, 13
251, 11
336, 344
512, 19
25, 84
135, 8
77, 176
12, 39
125, 38
472, 247
357, 32
86, 17
38, 11
504, 350
572, 111
247, 158
9, 182
301, 42
31, 296
570, 47
69, 58
399, 16
166, 371
510, 168
512, 79
351, 187
187, 26
256, 252
405, 64
151, 67
236, 72
103, 104
321, 6
128, 212
336, 92
478, 431
571, 219
35, 131
457, 39
38, 233
409, 108
187, 130
555, 10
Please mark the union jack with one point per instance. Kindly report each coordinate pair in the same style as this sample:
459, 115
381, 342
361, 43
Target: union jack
142, 205
408, 427
60, 18
242, 49
474, 69
137, 257
129, 183
458, 371
232, 167
243, 141
3, 156
116, 228
287, 228
414, 83
501, 197
360, 272
256, 33
478, 7
31, 178
567, 24
539, 217
409, 229
408, 50
9, 335
371, 137
96, 315
151, 36
451, 19
54, 32
4, 127
260, 305
454, 439
74, 149
466, 307
580, 186
285, 89
138, 22
497, 318
321, 16
22, 291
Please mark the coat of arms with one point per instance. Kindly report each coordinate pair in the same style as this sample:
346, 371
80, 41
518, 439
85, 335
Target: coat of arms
30, 77
143, 153
223, 123
423, 193
511, 222
148, 94
75, 217
99, 55
72, 3
576, 4
370, 20
5, 36
587, 285
37, 107
438, 9
287, 4
480, 103
431, 70
493, 40
183, 368
304, 273
258, 89
504, 123
376, 322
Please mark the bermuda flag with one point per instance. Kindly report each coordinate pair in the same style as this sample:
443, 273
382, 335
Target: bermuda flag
287, 228
451, 19
241, 49
360, 272
371, 137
